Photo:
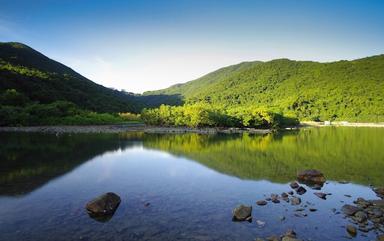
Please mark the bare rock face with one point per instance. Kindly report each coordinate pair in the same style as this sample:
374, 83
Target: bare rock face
311, 177
103, 205
242, 213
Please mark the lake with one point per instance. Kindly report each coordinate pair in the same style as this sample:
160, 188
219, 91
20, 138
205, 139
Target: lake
183, 186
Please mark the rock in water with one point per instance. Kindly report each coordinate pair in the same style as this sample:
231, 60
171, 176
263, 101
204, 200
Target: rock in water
242, 213
380, 237
379, 192
311, 177
360, 216
290, 233
301, 190
351, 230
295, 201
321, 195
273, 238
286, 238
349, 210
294, 185
103, 205
261, 202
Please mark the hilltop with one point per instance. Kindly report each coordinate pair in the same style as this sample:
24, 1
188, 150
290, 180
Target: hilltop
342, 90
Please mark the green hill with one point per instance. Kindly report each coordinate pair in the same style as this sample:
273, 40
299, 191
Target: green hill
342, 90
44, 80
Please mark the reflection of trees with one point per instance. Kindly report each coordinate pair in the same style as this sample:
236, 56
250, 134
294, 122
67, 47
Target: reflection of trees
31, 160
352, 154
28, 161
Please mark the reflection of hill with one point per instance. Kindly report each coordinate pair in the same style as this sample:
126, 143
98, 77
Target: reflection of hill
353, 154
28, 161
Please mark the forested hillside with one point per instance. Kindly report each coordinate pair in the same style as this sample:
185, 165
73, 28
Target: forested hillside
343, 90
45, 80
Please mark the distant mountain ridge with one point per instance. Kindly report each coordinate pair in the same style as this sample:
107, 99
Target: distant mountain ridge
342, 90
45, 80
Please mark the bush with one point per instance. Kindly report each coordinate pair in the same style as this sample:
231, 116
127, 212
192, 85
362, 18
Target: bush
201, 115
55, 113
13, 98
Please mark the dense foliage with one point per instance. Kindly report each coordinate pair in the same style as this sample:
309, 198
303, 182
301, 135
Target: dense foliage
18, 110
204, 115
343, 90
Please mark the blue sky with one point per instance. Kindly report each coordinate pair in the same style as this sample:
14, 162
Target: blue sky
145, 45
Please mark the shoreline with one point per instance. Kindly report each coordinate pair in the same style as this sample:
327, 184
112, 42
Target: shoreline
341, 123
119, 128
131, 128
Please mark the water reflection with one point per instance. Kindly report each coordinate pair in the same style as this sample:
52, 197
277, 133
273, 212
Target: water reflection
28, 161
46, 180
343, 154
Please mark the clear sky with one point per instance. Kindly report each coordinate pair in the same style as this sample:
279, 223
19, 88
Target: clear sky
145, 45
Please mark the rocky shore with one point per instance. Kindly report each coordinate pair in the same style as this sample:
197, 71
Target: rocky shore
363, 216
130, 128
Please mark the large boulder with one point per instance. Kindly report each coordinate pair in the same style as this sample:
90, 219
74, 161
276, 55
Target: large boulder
103, 205
242, 213
311, 177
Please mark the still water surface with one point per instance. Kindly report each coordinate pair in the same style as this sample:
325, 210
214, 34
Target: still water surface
192, 182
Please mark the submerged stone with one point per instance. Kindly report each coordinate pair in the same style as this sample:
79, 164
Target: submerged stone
349, 210
379, 191
295, 200
103, 205
351, 230
301, 190
285, 238
321, 195
294, 185
380, 237
360, 216
261, 202
311, 177
242, 213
